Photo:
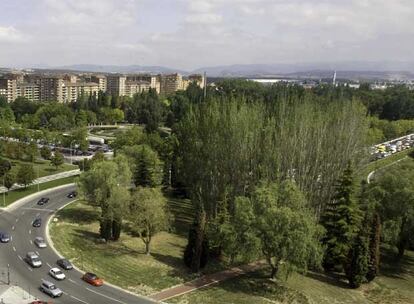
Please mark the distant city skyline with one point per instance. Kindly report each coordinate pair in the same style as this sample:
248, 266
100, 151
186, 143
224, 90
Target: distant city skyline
190, 34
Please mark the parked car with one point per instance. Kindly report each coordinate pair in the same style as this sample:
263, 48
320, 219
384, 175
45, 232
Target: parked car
57, 274
92, 279
4, 237
50, 289
40, 302
40, 242
37, 222
33, 259
64, 264
42, 201
72, 194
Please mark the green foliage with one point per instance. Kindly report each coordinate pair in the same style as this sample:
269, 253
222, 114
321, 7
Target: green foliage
358, 259
45, 152
148, 214
341, 221
25, 175
5, 166
32, 152
57, 159
9, 179
106, 185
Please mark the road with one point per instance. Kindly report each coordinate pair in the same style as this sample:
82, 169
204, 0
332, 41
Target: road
18, 222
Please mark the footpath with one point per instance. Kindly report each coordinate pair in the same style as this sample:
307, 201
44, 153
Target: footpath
206, 280
45, 179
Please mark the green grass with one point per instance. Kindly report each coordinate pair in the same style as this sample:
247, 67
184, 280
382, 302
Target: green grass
42, 167
395, 285
124, 263
14, 195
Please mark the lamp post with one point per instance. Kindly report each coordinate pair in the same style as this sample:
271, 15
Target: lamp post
70, 147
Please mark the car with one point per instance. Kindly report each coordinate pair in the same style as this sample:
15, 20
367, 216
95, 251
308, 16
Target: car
92, 279
42, 201
72, 194
57, 274
4, 237
50, 289
33, 259
40, 242
37, 222
64, 264
40, 302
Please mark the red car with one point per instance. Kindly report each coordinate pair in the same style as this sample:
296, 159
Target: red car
92, 279
40, 302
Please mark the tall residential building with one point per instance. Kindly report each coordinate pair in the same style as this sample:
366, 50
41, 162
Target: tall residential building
197, 79
8, 87
100, 80
51, 88
116, 84
170, 83
31, 91
136, 87
72, 90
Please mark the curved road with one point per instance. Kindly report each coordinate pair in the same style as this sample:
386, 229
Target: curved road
17, 221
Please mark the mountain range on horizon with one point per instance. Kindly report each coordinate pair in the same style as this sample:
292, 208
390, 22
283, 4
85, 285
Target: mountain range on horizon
345, 69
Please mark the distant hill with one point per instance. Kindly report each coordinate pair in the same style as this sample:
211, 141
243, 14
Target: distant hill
119, 69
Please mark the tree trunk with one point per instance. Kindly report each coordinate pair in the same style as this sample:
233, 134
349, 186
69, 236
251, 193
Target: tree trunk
147, 248
198, 248
402, 241
275, 269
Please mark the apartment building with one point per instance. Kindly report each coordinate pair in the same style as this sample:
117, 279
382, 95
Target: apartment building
116, 84
170, 83
72, 90
51, 88
31, 91
198, 79
8, 87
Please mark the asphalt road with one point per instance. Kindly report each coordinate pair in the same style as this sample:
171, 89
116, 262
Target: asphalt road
18, 223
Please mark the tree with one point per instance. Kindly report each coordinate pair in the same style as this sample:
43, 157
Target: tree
374, 243
341, 220
105, 186
5, 166
357, 266
25, 174
45, 152
32, 152
288, 232
57, 159
9, 179
148, 214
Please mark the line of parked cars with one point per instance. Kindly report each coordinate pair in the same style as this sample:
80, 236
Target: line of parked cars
391, 147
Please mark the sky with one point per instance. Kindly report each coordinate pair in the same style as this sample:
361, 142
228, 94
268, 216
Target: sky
189, 34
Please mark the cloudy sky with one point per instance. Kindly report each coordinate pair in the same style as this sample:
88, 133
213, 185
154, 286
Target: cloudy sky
188, 34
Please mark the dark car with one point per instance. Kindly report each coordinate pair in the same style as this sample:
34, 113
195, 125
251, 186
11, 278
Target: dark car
92, 279
72, 194
42, 201
37, 222
65, 264
4, 237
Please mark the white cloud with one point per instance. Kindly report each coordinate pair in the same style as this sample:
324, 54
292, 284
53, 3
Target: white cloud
11, 34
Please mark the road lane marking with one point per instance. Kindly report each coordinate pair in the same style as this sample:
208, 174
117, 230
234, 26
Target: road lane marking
23, 212
13, 227
48, 265
20, 257
37, 209
31, 242
14, 249
72, 281
30, 231
17, 220
112, 299
79, 300
37, 253
30, 268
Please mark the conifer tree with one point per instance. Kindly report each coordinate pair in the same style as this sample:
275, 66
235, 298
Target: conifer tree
357, 266
340, 220
374, 247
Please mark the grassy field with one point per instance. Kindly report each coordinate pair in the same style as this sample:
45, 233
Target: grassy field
124, 263
395, 285
14, 195
42, 167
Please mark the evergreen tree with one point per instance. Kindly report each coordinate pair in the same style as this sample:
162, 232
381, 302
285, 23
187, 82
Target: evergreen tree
340, 220
374, 247
357, 266
148, 168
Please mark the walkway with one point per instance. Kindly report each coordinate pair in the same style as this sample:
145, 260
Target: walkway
45, 179
206, 280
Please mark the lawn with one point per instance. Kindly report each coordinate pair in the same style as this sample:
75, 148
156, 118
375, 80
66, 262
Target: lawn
124, 263
395, 285
42, 167
14, 195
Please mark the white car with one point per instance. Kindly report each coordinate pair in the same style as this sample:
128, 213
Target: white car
57, 274
40, 242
